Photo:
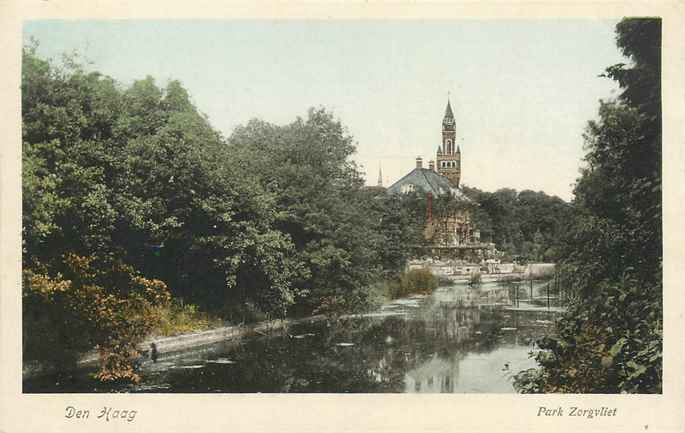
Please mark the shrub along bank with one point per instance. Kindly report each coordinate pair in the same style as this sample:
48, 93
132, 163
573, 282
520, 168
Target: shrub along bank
414, 281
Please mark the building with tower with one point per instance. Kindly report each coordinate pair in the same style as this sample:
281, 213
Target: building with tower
448, 226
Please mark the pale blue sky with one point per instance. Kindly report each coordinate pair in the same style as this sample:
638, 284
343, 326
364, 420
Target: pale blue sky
522, 91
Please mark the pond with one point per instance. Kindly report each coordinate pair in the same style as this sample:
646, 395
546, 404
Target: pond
456, 340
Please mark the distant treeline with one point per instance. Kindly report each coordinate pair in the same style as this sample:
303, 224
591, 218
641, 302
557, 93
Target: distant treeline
526, 225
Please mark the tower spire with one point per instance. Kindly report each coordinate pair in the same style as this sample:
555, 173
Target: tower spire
448, 109
448, 158
380, 175
448, 119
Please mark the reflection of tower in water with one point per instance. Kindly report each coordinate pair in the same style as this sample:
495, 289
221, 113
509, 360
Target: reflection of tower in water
434, 376
452, 326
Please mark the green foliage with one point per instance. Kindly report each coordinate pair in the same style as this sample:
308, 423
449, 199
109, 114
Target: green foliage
138, 174
343, 235
527, 224
272, 221
179, 318
609, 343
86, 306
610, 340
412, 208
414, 281
397, 228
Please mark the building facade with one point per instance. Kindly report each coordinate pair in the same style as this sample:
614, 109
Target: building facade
450, 224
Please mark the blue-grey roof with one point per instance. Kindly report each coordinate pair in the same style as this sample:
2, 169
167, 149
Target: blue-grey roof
427, 181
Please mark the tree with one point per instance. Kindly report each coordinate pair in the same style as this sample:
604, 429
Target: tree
271, 221
521, 222
611, 339
83, 307
320, 204
137, 177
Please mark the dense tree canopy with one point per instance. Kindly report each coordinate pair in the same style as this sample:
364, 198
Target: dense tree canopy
339, 229
526, 224
610, 341
271, 220
122, 173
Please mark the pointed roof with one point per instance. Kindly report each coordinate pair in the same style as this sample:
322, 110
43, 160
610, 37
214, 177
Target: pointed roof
427, 180
448, 111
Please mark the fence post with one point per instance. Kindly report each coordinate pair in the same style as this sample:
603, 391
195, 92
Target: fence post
531, 291
548, 297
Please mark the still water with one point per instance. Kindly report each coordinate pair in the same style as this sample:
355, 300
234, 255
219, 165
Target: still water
457, 340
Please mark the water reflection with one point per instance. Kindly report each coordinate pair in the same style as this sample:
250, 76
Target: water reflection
456, 340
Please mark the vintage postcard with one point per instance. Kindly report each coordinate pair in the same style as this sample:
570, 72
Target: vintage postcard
342, 217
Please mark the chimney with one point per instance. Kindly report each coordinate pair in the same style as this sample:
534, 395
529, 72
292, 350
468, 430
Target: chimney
419, 162
431, 165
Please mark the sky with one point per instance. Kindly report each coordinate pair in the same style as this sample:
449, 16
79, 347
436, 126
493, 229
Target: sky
522, 91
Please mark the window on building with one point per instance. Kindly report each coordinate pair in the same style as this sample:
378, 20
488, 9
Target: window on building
408, 188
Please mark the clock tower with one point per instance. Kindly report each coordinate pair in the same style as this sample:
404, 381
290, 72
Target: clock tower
448, 158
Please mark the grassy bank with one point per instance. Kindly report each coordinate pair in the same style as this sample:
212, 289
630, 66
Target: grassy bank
179, 318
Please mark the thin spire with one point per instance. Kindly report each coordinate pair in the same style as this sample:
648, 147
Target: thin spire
448, 110
380, 175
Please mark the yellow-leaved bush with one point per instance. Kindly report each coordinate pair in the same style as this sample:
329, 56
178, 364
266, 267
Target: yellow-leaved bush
110, 308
